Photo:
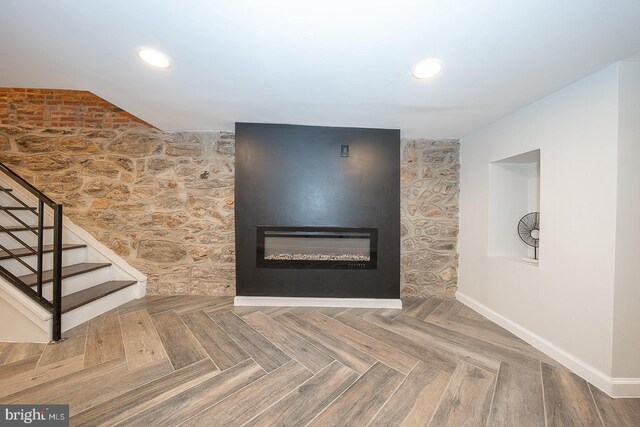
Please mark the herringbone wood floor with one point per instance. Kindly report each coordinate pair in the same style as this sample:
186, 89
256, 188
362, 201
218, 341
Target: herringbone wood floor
167, 361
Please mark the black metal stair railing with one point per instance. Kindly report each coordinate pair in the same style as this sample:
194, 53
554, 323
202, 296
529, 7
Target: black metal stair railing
54, 306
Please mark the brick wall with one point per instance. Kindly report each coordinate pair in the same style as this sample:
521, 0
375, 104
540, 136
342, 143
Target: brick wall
62, 108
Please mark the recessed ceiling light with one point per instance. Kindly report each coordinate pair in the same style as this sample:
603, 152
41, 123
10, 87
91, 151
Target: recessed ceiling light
427, 69
154, 58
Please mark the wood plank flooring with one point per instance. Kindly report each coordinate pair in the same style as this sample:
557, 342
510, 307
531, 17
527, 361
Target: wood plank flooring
192, 361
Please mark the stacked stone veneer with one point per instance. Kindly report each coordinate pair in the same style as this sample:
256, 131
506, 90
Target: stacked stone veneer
164, 202
429, 183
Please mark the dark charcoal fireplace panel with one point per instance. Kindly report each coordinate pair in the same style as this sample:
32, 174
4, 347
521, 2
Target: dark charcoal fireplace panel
317, 247
312, 222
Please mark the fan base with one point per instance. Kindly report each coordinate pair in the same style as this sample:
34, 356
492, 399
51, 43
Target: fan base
529, 260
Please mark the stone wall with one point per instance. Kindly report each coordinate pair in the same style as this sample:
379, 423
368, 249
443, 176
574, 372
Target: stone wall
164, 202
429, 182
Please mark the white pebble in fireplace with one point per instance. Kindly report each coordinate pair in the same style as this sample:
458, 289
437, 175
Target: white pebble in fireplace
318, 257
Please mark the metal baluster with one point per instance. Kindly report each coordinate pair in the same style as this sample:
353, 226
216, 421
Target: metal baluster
40, 245
57, 273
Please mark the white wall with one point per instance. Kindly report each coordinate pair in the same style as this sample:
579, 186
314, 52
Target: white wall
15, 327
509, 201
565, 304
21, 319
533, 190
626, 320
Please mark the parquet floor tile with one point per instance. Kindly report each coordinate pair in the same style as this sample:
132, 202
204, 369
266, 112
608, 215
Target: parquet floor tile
185, 360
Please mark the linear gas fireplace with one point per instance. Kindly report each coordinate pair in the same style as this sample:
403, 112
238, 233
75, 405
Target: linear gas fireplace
317, 247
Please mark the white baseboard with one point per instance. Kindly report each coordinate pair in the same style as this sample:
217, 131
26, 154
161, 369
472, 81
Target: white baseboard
614, 387
318, 302
625, 387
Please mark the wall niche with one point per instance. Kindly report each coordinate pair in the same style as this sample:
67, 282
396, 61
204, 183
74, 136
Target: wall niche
514, 192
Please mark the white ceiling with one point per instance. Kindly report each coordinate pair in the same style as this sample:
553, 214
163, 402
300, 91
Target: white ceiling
326, 62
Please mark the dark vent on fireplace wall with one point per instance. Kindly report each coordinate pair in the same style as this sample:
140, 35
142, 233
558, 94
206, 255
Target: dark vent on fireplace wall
312, 222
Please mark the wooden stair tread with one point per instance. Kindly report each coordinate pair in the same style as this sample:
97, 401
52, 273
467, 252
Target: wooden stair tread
68, 271
78, 299
16, 228
21, 252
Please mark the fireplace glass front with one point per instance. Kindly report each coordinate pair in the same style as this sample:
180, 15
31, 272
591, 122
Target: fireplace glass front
317, 247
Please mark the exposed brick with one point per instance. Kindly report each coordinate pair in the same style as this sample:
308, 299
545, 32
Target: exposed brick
62, 108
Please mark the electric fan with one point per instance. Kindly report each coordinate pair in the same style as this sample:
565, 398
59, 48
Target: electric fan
529, 232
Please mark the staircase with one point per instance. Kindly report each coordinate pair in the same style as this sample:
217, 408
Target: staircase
52, 273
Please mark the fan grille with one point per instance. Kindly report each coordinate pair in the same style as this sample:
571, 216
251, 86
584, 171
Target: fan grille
526, 225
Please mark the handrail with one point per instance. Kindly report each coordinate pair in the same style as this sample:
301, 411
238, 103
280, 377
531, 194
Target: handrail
27, 186
55, 305
46, 304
